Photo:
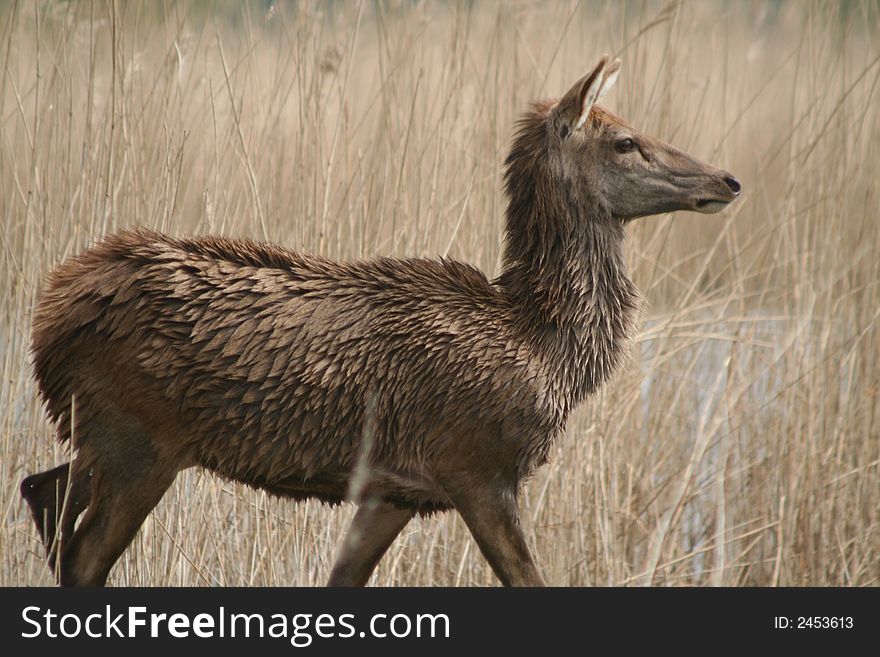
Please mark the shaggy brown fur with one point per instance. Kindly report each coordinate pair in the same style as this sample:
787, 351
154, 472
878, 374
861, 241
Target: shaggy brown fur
266, 366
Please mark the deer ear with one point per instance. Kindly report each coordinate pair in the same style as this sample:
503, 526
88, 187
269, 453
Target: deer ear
609, 77
576, 104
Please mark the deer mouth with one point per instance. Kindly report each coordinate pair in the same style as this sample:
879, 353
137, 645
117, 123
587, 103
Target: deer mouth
711, 205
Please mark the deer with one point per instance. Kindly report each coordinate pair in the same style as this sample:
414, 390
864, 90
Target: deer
409, 386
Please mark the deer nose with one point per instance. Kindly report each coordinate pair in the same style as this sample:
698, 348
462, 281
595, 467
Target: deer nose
733, 184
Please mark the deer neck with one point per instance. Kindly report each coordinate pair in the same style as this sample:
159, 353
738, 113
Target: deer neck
572, 297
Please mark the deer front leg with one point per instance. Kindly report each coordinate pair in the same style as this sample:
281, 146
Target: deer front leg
492, 516
373, 529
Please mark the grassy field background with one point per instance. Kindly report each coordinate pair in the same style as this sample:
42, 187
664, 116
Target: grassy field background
740, 445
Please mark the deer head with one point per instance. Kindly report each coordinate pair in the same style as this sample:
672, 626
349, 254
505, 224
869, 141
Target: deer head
626, 173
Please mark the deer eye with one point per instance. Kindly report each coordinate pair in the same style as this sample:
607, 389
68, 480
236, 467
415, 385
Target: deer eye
624, 145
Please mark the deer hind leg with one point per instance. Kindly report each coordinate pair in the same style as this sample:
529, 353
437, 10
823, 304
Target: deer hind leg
56, 499
491, 514
373, 529
127, 479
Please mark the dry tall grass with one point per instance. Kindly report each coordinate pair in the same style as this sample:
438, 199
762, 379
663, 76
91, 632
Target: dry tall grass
740, 447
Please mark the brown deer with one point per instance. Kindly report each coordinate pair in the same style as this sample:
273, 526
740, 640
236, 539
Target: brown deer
407, 385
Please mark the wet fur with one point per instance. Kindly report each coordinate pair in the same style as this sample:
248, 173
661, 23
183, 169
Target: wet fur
264, 366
